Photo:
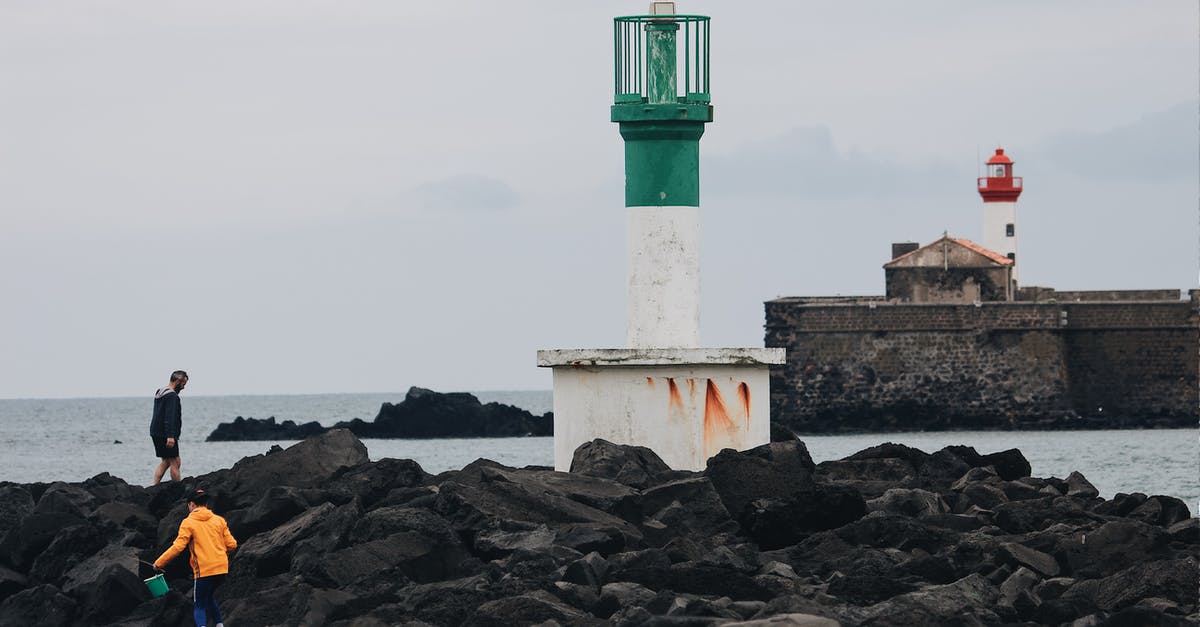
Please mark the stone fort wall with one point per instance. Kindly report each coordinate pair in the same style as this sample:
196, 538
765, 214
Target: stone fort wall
858, 364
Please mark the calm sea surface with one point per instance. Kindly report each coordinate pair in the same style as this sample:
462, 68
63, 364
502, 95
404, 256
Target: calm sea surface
73, 439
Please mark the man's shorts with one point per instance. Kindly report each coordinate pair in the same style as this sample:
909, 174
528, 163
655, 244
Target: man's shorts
162, 450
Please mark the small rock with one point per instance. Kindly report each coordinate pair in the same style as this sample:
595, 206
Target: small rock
909, 502
1020, 581
1078, 486
1022, 555
1010, 464
788, 620
1185, 531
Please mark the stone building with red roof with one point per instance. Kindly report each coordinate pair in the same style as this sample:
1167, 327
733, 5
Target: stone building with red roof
949, 270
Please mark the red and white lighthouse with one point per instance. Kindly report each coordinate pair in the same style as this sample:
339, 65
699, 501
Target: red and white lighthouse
1000, 190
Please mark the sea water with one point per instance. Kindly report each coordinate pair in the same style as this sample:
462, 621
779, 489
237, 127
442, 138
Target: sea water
73, 439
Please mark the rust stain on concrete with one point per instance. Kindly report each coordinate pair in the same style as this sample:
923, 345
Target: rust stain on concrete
717, 426
674, 400
650, 382
743, 392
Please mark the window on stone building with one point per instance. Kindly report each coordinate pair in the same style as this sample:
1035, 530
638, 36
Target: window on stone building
1010, 229
1013, 256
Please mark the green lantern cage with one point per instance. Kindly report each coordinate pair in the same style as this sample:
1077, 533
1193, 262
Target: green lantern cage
650, 51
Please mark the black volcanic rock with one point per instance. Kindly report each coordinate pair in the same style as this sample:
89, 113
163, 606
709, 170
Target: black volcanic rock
634, 466
771, 471
328, 537
422, 414
428, 414
243, 429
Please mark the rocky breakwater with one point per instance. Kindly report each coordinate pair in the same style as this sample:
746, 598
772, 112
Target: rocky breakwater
888, 536
422, 414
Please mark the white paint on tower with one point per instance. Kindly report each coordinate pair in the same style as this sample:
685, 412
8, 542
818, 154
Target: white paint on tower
663, 265
1000, 230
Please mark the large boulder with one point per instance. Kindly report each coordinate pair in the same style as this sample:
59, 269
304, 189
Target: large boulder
275, 507
450, 602
964, 602
308, 464
290, 604
1038, 514
15, 504
112, 594
683, 507
603, 494
116, 517
1174, 580
1162, 511
24, 542
890, 450
406, 554
87, 573
527, 609
776, 523
1010, 464
1113, 546
44, 605
634, 466
871, 477
70, 546
1120, 505
622, 594
372, 482
11, 582
270, 553
488, 495
66, 498
108, 489
940, 470
867, 589
770, 471
896, 531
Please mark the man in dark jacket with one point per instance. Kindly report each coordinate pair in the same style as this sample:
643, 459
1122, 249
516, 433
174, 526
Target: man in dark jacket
166, 424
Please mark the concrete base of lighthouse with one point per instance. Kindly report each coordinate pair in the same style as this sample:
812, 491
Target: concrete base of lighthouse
686, 404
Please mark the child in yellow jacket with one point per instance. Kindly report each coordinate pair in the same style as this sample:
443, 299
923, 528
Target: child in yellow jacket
208, 537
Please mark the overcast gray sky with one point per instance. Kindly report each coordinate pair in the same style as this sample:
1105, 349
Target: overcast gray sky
303, 197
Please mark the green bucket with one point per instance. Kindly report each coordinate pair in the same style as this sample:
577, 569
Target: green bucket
157, 585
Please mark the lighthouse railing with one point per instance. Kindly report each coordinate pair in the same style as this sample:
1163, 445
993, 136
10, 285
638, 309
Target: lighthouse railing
1016, 182
631, 58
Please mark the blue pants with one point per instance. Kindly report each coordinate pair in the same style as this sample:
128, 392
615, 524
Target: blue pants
204, 603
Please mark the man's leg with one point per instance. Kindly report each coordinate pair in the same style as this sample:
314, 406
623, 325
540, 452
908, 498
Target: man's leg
175, 476
214, 610
162, 468
201, 596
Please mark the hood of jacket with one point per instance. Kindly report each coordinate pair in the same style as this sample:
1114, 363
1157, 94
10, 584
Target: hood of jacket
201, 514
163, 392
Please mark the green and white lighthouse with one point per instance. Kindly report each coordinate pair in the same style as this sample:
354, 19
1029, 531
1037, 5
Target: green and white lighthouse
663, 390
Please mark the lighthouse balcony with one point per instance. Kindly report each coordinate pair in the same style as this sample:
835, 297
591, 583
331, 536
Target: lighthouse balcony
999, 184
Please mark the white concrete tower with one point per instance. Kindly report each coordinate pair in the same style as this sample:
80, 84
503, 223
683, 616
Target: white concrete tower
1000, 190
662, 390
